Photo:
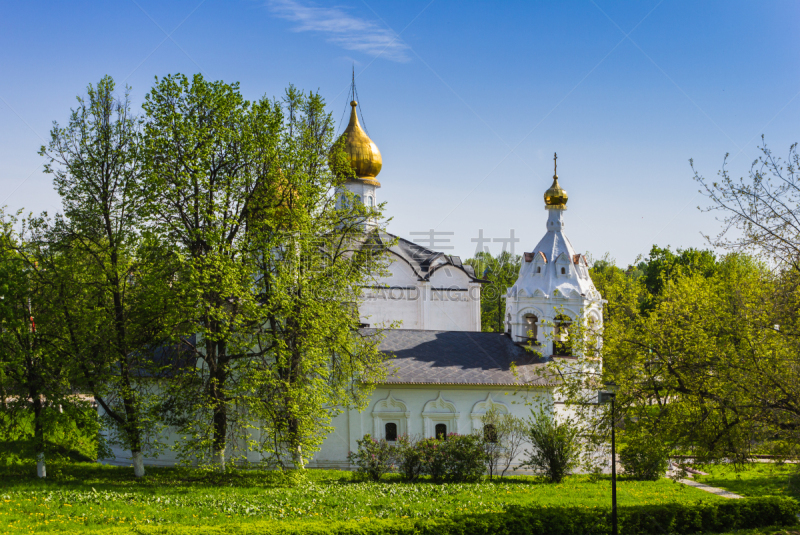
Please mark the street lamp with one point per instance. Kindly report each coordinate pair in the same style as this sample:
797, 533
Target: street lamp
606, 396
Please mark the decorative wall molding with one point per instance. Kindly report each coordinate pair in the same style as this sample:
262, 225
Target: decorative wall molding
389, 410
437, 411
482, 407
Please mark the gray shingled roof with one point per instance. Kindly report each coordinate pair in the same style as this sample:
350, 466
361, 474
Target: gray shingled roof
422, 260
459, 357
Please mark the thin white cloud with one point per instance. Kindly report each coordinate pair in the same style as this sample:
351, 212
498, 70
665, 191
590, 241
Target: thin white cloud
342, 29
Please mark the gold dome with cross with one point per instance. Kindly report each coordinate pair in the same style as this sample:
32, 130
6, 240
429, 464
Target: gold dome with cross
365, 158
555, 197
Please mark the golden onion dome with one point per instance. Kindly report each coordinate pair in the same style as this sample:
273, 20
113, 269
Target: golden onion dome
556, 196
365, 158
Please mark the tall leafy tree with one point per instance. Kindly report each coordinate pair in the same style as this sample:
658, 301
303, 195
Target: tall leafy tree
708, 364
269, 267
204, 171
111, 322
36, 383
315, 258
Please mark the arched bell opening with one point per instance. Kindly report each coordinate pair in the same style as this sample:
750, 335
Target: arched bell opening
561, 342
531, 327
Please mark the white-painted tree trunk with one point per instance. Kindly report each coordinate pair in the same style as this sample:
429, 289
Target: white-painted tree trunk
138, 464
220, 459
41, 468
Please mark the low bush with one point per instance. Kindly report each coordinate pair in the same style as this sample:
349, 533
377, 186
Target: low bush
409, 458
72, 435
645, 457
432, 457
709, 517
455, 458
678, 519
555, 445
503, 439
794, 483
464, 457
373, 458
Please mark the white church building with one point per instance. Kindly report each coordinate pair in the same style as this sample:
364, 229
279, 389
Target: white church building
445, 374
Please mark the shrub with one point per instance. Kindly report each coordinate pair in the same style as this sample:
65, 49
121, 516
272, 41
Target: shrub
794, 483
373, 458
503, 436
409, 458
675, 518
464, 457
432, 457
456, 458
709, 517
555, 447
645, 457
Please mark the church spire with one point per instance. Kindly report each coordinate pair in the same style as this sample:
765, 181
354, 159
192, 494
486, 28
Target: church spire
555, 198
365, 158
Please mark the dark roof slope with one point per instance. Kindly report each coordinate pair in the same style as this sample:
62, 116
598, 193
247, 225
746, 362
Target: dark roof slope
459, 357
423, 261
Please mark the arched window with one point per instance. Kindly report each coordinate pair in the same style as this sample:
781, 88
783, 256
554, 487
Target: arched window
490, 433
391, 431
531, 329
440, 431
538, 269
563, 271
561, 345
369, 201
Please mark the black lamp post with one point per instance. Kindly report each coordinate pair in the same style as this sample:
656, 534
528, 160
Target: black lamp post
605, 397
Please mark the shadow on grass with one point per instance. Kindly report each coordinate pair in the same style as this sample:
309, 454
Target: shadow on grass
22, 450
63, 472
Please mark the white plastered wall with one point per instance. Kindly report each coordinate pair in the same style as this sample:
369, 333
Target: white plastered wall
448, 302
417, 409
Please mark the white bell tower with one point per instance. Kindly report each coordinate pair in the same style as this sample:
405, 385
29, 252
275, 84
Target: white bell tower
553, 288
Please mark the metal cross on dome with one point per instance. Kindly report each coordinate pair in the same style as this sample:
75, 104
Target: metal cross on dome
555, 164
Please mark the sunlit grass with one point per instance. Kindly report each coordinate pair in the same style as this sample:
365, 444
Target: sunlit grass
89, 496
754, 479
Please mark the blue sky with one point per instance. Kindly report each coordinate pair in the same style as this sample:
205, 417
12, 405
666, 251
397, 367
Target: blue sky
467, 101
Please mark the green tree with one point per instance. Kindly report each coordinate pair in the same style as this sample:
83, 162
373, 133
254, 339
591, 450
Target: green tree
555, 449
663, 265
36, 383
501, 272
314, 260
270, 269
208, 155
706, 367
109, 306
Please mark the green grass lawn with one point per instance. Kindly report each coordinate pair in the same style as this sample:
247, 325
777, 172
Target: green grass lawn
88, 497
766, 531
753, 479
